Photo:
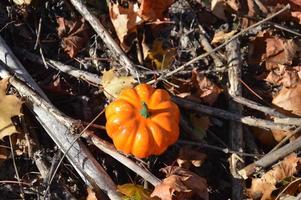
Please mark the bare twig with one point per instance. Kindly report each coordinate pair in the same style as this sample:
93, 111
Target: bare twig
271, 158
106, 37
251, 121
257, 106
220, 46
235, 129
110, 150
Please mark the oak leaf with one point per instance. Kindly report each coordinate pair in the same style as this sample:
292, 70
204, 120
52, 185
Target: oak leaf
10, 106
75, 34
181, 184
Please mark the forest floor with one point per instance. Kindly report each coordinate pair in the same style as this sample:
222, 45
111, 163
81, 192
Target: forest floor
220, 109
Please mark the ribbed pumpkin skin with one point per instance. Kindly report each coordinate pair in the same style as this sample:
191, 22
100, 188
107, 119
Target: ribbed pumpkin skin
134, 134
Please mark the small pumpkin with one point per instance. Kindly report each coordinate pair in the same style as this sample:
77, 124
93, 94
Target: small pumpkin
143, 121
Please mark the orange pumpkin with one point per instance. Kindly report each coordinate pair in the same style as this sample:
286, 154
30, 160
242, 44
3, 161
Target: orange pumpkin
143, 121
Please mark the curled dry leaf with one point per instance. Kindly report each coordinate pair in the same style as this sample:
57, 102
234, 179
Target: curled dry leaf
10, 106
152, 10
113, 84
75, 34
188, 157
125, 20
91, 194
264, 186
272, 50
181, 184
291, 190
134, 192
198, 88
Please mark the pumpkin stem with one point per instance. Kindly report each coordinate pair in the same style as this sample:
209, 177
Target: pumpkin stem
144, 110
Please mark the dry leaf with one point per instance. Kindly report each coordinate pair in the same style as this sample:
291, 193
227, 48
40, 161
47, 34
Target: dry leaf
205, 89
134, 192
22, 2
181, 184
220, 7
198, 88
200, 124
221, 36
91, 194
188, 157
125, 20
113, 84
4, 153
152, 10
264, 186
10, 106
161, 57
293, 188
75, 34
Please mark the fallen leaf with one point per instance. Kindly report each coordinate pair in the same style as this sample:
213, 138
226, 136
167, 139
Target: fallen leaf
264, 186
181, 184
272, 50
152, 10
198, 88
75, 34
4, 153
221, 36
161, 57
220, 7
206, 90
22, 2
188, 157
91, 194
10, 106
134, 192
113, 84
125, 19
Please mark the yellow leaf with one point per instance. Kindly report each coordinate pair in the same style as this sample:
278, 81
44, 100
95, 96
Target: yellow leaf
113, 84
134, 192
10, 106
22, 2
162, 58
221, 36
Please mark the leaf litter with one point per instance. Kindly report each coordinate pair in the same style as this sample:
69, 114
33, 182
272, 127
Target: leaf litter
270, 67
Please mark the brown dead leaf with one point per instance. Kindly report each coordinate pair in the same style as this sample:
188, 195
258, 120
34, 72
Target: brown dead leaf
221, 7
75, 34
198, 88
181, 184
10, 106
272, 50
292, 189
4, 153
188, 157
264, 186
152, 10
206, 90
125, 20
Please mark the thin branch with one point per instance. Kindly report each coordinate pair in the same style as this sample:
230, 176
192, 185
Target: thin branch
251, 121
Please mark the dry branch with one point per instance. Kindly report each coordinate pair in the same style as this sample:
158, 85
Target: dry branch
236, 129
248, 120
106, 37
